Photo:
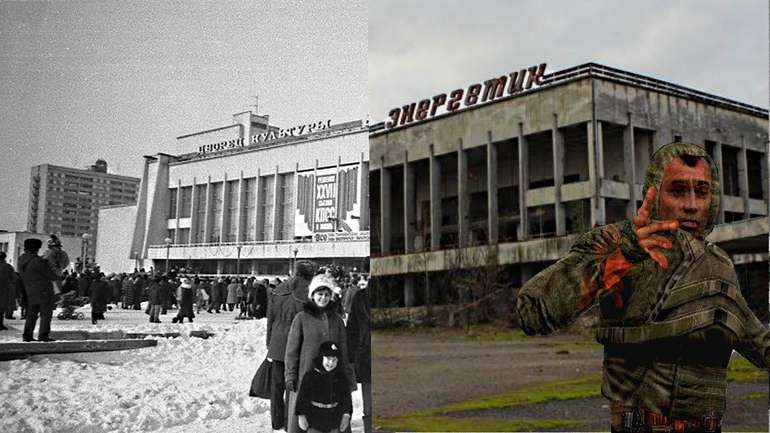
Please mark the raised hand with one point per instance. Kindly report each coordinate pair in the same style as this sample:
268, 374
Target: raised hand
645, 229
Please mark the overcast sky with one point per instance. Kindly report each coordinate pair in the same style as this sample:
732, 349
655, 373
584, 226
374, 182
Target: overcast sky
118, 80
418, 49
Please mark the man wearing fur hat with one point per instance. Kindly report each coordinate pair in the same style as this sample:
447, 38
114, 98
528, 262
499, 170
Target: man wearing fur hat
38, 278
671, 309
283, 303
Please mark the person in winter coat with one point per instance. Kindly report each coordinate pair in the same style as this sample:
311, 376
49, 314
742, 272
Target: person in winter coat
217, 290
324, 404
167, 296
114, 282
7, 290
203, 297
232, 293
284, 302
84, 283
155, 300
38, 281
360, 348
260, 299
100, 295
316, 323
127, 291
70, 284
185, 300
138, 289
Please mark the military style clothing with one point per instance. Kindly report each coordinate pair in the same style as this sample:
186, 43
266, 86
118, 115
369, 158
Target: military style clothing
668, 333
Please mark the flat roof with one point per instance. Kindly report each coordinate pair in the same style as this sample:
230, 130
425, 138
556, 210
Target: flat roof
595, 70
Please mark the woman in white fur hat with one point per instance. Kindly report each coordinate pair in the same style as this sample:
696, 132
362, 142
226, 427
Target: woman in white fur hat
316, 323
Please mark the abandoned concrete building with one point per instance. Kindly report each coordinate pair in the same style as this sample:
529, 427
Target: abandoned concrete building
514, 181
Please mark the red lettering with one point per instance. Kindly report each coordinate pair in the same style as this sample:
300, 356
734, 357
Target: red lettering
539, 74
494, 88
472, 97
515, 85
422, 109
394, 115
438, 101
454, 100
407, 114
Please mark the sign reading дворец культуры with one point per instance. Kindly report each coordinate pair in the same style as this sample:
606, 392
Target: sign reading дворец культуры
294, 131
475, 93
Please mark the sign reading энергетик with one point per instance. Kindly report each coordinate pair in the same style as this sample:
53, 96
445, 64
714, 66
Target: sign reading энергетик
474, 94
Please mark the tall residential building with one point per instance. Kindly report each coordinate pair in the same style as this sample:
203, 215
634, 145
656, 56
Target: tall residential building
66, 201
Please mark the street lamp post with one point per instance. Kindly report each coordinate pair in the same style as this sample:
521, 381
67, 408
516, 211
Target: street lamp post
168, 242
238, 260
294, 262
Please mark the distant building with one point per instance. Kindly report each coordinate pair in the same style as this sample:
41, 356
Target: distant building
12, 244
247, 198
65, 201
523, 175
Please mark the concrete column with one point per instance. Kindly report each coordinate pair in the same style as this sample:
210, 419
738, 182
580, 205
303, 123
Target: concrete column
178, 208
364, 183
384, 209
720, 166
763, 170
523, 184
410, 206
223, 218
408, 291
557, 141
629, 166
596, 172
240, 209
193, 212
276, 205
462, 195
492, 213
337, 203
208, 217
435, 200
743, 176
259, 214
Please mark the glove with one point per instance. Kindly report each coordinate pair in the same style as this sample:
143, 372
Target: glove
291, 385
269, 359
302, 419
345, 421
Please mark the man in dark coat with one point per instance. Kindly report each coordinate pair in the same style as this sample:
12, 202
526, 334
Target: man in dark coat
283, 303
360, 349
84, 283
7, 290
38, 281
139, 285
100, 295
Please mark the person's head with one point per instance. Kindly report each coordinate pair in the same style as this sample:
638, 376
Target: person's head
54, 242
328, 355
32, 245
305, 269
2, 256
688, 187
320, 290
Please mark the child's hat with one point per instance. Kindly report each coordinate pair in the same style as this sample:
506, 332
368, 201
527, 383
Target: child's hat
322, 281
329, 348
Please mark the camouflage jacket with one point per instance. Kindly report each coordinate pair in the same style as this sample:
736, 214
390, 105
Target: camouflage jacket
668, 333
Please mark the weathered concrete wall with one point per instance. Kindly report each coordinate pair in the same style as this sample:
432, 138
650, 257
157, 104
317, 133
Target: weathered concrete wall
571, 101
669, 115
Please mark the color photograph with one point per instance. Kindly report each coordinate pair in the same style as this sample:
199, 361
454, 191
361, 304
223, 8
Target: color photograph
569, 207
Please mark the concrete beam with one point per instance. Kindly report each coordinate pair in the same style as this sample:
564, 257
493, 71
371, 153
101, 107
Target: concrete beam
523, 184
435, 200
492, 210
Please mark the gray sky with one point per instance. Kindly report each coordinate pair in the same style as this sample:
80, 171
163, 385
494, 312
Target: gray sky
118, 80
419, 49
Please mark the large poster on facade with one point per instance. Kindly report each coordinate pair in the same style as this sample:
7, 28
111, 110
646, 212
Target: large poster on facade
328, 201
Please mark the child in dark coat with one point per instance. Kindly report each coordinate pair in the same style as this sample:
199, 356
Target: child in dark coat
324, 404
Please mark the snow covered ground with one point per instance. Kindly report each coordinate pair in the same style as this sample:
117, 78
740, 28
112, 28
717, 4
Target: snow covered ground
184, 384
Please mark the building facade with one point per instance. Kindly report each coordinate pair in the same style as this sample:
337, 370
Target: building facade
515, 180
249, 198
65, 201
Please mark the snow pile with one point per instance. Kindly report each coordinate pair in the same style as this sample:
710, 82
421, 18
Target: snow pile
181, 381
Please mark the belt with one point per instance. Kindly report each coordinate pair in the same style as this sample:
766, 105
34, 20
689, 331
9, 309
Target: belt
323, 405
640, 420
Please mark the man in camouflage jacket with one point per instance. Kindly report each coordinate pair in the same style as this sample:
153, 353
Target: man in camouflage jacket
671, 310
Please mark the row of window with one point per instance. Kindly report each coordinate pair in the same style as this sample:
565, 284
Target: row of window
224, 206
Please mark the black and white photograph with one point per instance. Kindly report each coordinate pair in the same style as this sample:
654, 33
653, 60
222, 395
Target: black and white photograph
569, 208
184, 228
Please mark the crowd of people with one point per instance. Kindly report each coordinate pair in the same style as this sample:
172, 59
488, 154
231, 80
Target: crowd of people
318, 341
318, 322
